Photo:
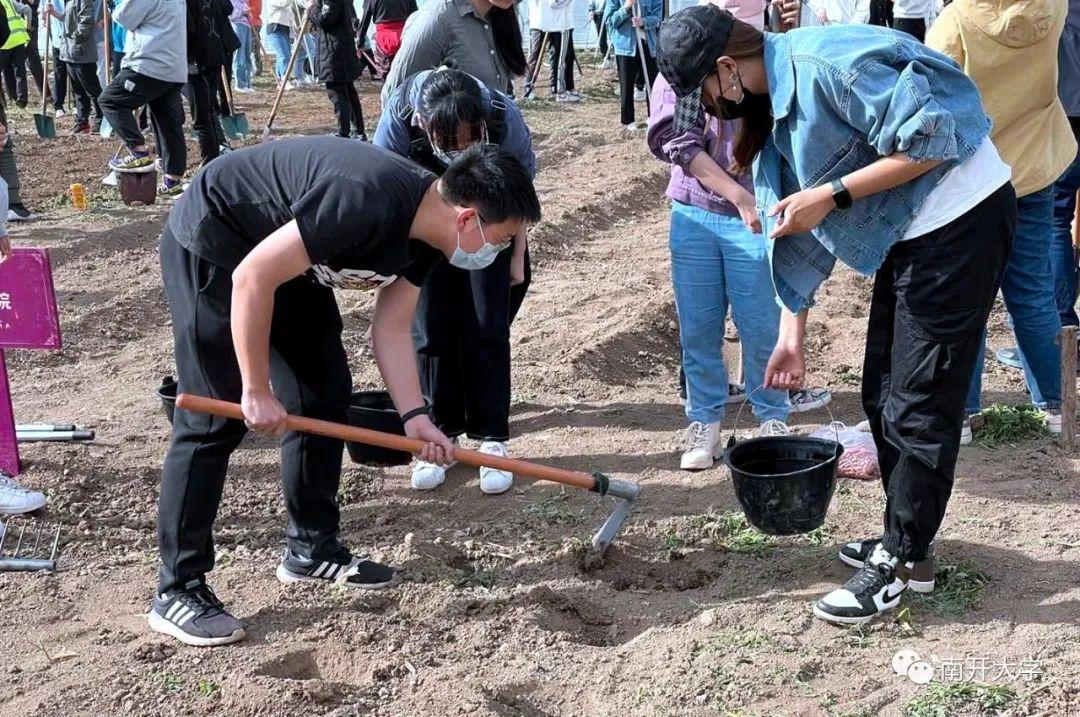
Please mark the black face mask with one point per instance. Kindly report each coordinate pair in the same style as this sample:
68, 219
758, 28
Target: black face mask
750, 105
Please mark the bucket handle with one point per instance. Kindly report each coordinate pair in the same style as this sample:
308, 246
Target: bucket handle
833, 423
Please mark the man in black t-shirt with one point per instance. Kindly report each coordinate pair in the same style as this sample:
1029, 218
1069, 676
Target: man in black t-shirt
248, 256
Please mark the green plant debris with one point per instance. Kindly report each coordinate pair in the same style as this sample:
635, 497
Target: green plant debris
207, 688
172, 682
967, 698
959, 588
817, 537
725, 641
726, 531
554, 509
479, 578
1007, 425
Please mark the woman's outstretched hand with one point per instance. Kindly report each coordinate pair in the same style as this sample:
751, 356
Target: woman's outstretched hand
802, 211
786, 369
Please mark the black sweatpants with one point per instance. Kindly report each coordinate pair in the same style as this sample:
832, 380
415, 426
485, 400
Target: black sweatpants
87, 89
630, 74
601, 32
555, 47
346, 101
462, 337
128, 92
201, 91
931, 301
59, 80
914, 26
13, 67
310, 376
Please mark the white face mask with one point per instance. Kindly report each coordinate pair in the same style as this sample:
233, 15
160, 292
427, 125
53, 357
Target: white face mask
479, 259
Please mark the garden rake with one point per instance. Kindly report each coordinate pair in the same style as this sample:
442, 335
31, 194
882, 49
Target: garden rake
624, 492
22, 532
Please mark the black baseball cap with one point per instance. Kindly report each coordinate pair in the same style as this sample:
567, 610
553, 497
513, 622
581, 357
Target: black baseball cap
686, 50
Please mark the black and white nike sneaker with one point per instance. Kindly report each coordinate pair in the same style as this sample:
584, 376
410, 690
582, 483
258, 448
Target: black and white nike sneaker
874, 589
341, 568
922, 572
195, 616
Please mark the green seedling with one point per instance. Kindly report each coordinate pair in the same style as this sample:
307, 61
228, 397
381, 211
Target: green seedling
207, 688
956, 698
959, 589
553, 509
1008, 425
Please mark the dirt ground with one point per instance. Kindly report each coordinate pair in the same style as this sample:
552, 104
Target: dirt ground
691, 614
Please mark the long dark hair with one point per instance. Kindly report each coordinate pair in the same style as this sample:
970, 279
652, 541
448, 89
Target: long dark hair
747, 41
507, 33
448, 99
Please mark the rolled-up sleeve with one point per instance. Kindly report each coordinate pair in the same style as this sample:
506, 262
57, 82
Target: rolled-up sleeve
663, 141
896, 109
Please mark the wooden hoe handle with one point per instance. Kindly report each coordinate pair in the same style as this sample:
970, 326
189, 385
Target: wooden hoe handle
226, 409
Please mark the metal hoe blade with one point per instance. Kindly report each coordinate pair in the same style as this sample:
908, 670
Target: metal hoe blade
625, 494
25, 558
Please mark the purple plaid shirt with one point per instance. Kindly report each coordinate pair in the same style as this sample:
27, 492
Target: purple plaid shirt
713, 136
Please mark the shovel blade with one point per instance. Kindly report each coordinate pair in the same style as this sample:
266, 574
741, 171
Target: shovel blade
46, 128
243, 129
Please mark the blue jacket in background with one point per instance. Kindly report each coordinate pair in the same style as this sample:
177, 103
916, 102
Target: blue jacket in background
843, 96
1069, 61
622, 34
393, 130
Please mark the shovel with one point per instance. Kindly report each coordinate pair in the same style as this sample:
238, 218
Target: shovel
46, 127
285, 78
624, 492
641, 52
235, 124
106, 128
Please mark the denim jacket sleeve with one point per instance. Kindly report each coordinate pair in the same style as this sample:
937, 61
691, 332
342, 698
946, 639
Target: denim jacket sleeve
895, 108
616, 13
651, 13
664, 143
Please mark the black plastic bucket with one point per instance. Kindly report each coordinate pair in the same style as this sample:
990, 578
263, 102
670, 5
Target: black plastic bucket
375, 410
784, 483
167, 393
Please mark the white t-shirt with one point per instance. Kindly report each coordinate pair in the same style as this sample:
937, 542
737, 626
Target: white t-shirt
551, 15
960, 190
911, 9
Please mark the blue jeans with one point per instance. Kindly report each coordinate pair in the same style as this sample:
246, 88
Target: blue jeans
1028, 290
308, 50
242, 58
716, 260
277, 43
1062, 254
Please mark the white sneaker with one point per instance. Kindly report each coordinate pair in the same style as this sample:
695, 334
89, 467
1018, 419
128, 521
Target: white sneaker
492, 480
60, 112
639, 95
773, 427
568, 97
965, 432
14, 499
809, 399
1053, 421
632, 127
428, 476
701, 446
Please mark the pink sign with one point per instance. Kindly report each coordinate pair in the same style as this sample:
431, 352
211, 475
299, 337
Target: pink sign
9, 447
28, 317
28, 320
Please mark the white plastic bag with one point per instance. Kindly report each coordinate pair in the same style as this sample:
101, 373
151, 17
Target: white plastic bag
860, 459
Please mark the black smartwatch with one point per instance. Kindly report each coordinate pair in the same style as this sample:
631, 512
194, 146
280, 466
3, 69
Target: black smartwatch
840, 194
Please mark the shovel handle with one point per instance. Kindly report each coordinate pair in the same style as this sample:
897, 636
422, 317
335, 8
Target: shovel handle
288, 71
227, 409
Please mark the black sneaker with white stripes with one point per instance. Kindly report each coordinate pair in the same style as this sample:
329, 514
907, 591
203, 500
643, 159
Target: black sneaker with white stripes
922, 572
195, 616
341, 568
874, 589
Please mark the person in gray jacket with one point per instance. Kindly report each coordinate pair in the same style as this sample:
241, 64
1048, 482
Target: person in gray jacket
152, 73
78, 51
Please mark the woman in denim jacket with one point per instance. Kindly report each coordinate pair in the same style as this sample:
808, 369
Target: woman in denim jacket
870, 148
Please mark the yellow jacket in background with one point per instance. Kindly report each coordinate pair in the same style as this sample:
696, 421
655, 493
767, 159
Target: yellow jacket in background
1009, 48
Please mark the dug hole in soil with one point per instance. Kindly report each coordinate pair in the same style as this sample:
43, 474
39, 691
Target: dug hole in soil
690, 614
